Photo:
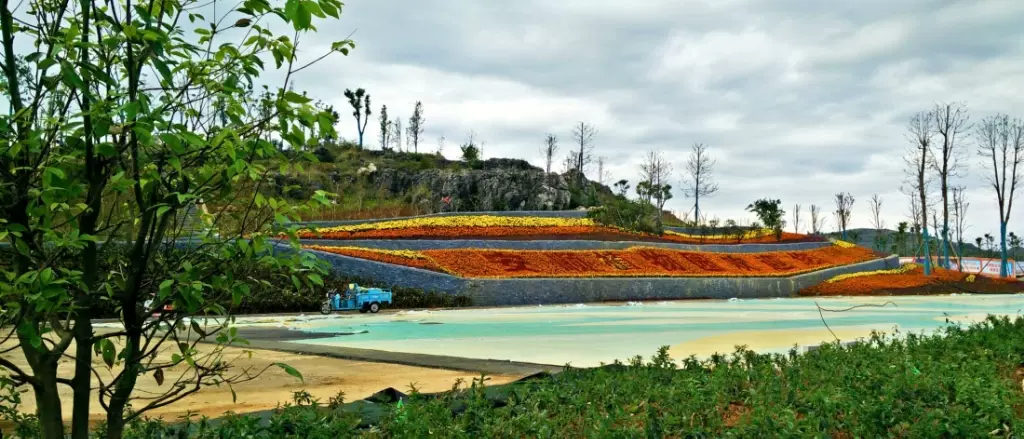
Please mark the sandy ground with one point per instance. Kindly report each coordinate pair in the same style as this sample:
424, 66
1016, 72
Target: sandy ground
766, 340
323, 378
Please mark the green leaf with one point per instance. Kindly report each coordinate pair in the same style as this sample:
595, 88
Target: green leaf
70, 76
164, 71
160, 211
296, 98
329, 9
290, 371
165, 287
108, 352
315, 278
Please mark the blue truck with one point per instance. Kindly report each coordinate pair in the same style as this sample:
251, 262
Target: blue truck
356, 297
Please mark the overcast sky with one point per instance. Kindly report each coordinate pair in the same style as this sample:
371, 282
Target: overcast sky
797, 99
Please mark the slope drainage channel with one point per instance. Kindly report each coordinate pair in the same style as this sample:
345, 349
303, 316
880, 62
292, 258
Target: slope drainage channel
588, 335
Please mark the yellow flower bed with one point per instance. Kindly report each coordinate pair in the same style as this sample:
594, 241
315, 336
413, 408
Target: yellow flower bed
843, 244
750, 234
408, 254
902, 270
461, 221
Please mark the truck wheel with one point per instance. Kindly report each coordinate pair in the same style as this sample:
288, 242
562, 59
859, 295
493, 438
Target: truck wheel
364, 309
374, 307
325, 308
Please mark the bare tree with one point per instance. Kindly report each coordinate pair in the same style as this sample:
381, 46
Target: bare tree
817, 220
844, 206
360, 102
796, 218
583, 138
699, 183
960, 226
655, 172
1001, 144
416, 126
921, 132
915, 216
569, 162
549, 150
876, 213
951, 121
440, 146
396, 134
602, 172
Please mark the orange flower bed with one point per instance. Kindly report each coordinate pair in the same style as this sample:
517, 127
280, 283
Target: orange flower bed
556, 232
405, 257
632, 262
912, 280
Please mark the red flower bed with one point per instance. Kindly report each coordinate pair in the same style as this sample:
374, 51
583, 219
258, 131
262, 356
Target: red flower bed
633, 262
941, 281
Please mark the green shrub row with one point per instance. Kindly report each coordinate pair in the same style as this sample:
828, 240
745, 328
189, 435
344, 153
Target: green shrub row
965, 382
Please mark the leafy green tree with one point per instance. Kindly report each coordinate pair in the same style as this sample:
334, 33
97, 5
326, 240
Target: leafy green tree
128, 117
770, 213
360, 102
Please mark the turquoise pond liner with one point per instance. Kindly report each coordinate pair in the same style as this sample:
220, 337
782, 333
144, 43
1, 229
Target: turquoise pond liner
586, 335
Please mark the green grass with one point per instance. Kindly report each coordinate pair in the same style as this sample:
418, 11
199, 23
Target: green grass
965, 383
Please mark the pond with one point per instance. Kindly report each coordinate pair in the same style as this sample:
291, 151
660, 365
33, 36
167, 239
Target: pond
587, 335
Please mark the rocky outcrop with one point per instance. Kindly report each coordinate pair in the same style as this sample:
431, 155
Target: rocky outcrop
499, 189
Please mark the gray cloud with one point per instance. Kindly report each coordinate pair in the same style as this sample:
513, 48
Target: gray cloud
798, 99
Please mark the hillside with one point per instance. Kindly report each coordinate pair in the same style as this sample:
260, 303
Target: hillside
374, 183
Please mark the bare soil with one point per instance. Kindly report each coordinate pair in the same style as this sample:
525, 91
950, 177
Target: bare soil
323, 378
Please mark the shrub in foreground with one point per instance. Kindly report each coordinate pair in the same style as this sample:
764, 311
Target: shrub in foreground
965, 382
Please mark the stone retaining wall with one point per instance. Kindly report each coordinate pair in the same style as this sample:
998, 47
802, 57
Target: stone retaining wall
431, 244
498, 292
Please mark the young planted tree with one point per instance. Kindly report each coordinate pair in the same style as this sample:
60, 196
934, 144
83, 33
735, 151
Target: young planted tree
951, 121
817, 220
844, 206
396, 134
796, 218
440, 146
470, 149
770, 213
921, 132
655, 172
698, 182
1001, 144
877, 222
583, 138
602, 172
960, 226
416, 126
360, 102
137, 118
549, 150
385, 128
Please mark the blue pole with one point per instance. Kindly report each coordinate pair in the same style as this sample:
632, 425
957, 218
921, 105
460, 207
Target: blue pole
927, 253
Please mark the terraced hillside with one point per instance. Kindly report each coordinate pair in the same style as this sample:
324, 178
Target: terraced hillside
564, 257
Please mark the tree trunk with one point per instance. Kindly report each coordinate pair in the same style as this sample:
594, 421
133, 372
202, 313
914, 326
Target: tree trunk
48, 409
1002, 247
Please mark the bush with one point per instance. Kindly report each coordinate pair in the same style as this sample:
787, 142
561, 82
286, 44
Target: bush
963, 382
626, 214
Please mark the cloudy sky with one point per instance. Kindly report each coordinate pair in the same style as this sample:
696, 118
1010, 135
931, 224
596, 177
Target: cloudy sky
797, 99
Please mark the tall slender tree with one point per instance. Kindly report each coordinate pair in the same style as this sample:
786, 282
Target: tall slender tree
655, 172
699, 183
796, 218
960, 225
385, 128
921, 133
416, 126
583, 138
360, 102
1001, 144
549, 150
817, 220
951, 123
844, 208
